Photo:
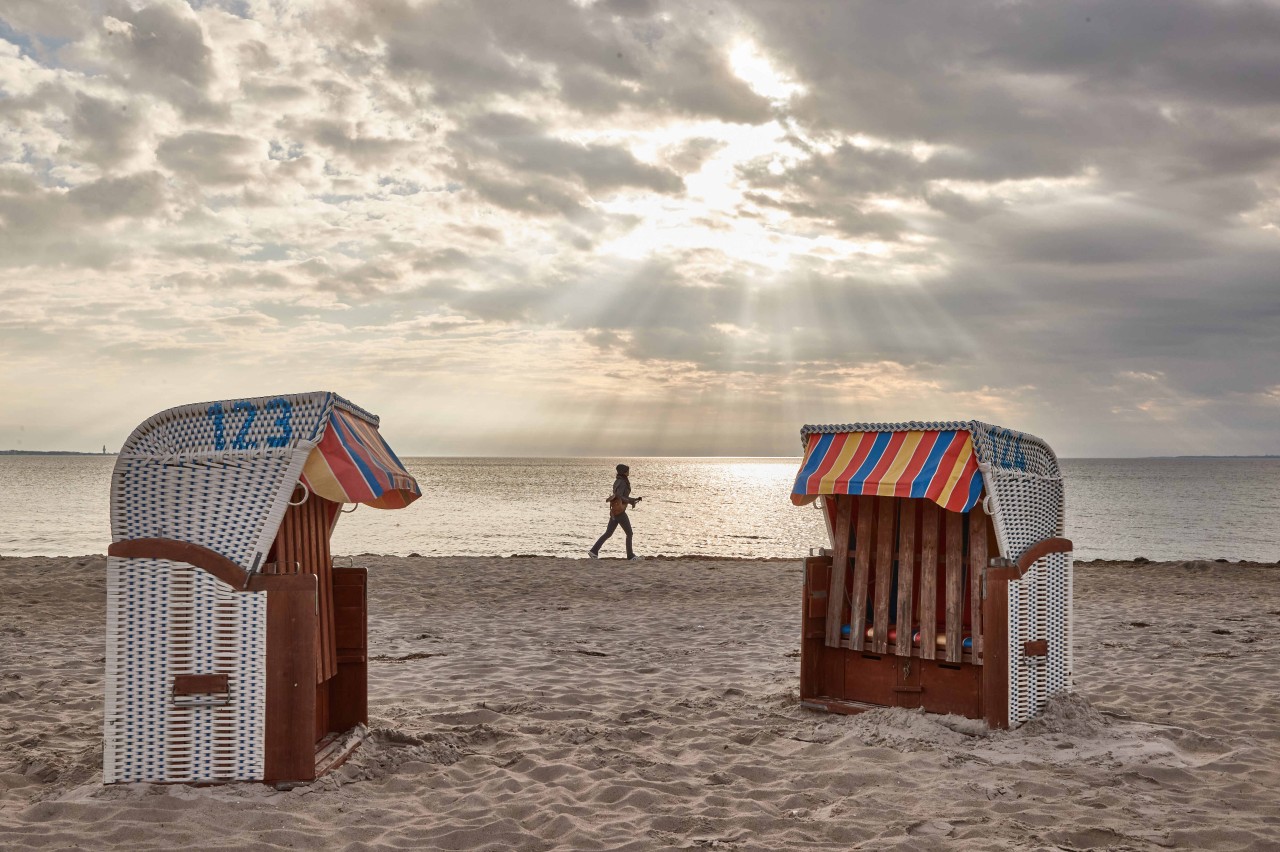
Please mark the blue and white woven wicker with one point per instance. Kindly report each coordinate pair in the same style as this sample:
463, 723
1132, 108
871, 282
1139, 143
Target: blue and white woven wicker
218, 475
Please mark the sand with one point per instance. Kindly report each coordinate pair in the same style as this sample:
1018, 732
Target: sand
536, 703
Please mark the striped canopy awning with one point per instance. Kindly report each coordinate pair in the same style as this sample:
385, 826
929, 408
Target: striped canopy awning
934, 463
352, 464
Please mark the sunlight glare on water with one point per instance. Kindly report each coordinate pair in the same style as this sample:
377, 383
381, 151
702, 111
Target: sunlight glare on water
1116, 508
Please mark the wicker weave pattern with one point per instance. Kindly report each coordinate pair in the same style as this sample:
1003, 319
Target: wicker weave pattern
173, 481
1024, 487
909, 426
166, 619
1039, 608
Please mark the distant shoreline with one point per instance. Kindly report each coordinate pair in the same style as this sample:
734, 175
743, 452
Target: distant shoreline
50, 453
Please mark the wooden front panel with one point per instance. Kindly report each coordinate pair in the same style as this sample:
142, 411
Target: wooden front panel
289, 735
951, 688
349, 689
817, 579
907, 687
995, 657
302, 546
821, 668
869, 678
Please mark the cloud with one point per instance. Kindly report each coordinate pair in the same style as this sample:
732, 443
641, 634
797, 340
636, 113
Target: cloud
521, 147
158, 48
211, 159
108, 130
1004, 210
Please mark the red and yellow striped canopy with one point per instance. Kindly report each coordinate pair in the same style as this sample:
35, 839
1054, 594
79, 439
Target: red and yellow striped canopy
352, 464
937, 464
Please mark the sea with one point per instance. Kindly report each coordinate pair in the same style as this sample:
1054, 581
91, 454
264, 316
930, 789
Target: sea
1160, 509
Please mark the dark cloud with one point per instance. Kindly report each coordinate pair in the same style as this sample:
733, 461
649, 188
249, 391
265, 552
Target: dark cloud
50, 225
213, 159
158, 48
108, 130
442, 259
596, 57
523, 147
364, 151
1024, 89
138, 195
1103, 237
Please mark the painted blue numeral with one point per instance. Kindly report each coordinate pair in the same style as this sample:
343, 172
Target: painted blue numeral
284, 421
251, 414
216, 414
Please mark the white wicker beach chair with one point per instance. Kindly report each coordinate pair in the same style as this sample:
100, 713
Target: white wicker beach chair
235, 650
948, 582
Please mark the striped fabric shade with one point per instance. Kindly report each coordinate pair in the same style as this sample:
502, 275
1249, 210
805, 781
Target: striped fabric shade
935, 463
352, 464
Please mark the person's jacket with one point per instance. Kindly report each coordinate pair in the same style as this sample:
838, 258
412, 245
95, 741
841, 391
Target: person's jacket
622, 491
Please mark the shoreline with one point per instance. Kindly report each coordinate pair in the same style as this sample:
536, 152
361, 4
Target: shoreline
693, 557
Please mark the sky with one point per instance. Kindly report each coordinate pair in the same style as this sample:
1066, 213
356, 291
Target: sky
636, 227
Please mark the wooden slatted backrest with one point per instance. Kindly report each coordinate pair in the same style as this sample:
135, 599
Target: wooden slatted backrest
928, 578
938, 558
979, 530
955, 585
861, 573
907, 511
886, 544
839, 567
302, 546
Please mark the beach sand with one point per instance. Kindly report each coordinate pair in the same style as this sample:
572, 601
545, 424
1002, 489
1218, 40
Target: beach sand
537, 703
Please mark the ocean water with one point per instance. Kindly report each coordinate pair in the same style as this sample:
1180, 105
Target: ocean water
1116, 508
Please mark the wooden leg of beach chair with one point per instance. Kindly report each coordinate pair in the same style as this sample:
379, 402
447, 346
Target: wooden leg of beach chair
349, 689
995, 655
289, 741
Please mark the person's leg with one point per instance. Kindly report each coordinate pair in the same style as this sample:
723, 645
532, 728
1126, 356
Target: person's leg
625, 523
613, 525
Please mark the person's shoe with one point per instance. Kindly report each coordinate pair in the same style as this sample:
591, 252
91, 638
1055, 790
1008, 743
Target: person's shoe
634, 558
592, 554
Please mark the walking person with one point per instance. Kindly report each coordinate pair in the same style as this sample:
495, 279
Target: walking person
618, 502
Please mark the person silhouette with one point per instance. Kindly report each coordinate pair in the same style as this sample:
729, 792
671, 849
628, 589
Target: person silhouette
618, 502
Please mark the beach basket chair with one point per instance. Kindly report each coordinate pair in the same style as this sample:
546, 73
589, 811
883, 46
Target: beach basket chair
236, 650
947, 585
